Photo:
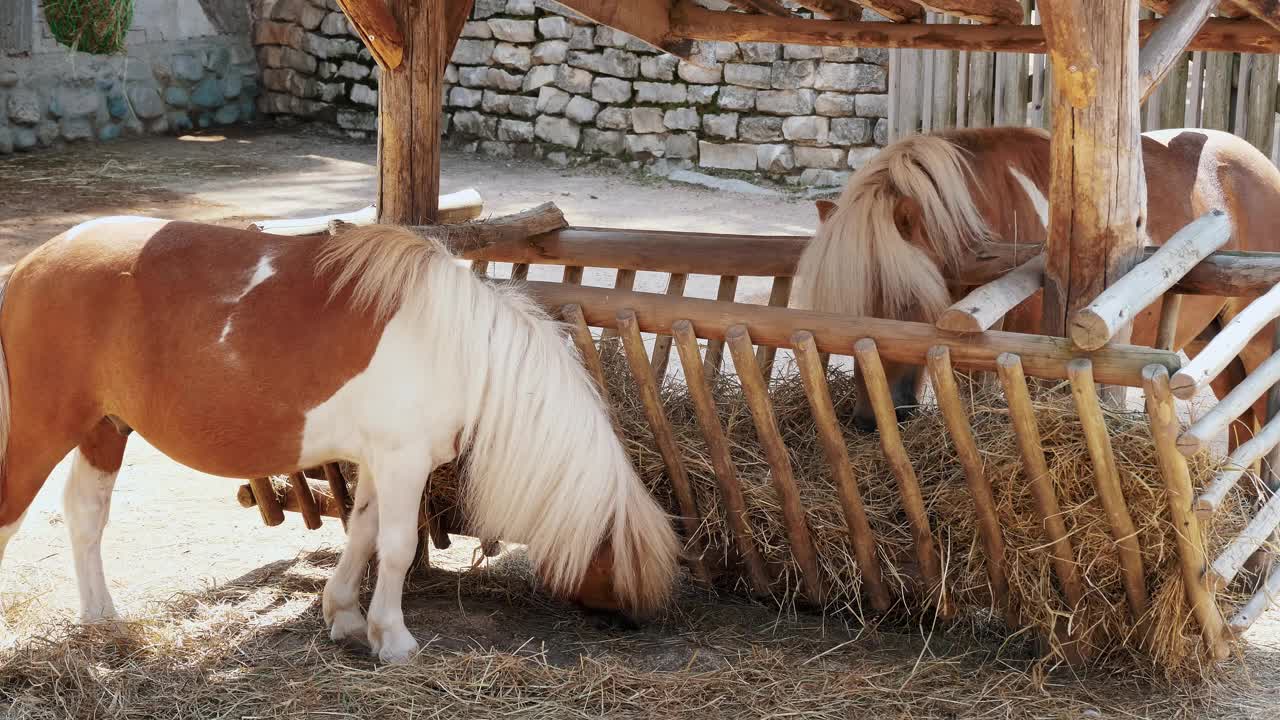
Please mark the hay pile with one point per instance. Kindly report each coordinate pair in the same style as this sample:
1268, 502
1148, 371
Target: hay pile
92, 26
1175, 643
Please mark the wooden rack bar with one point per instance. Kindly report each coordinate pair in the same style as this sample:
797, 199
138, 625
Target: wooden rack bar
1173, 467
814, 378
662, 343
898, 341
1168, 44
895, 453
956, 418
1228, 564
268, 506
690, 519
519, 272
1241, 398
1095, 324
1167, 331
338, 488
1220, 351
735, 507
625, 280
981, 309
572, 315
784, 482
247, 496
779, 296
726, 292
1237, 465
1107, 482
1266, 595
301, 489
572, 275
1023, 416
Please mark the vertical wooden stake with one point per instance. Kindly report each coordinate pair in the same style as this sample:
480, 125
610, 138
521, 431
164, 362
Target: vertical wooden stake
779, 296
1167, 331
662, 343
338, 486
726, 292
572, 314
306, 501
265, 496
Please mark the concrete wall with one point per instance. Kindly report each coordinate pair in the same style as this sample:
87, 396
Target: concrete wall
530, 79
188, 63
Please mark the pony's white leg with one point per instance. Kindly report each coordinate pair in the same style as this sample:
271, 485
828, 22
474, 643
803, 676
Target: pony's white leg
341, 600
86, 505
6, 534
401, 481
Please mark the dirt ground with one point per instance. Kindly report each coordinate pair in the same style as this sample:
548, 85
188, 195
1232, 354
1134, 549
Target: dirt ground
181, 552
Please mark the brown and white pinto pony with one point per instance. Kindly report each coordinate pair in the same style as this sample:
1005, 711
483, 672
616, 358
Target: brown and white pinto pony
245, 354
925, 204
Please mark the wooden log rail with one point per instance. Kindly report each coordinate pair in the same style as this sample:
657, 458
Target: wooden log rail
1226, 345
1208, 502
981, 309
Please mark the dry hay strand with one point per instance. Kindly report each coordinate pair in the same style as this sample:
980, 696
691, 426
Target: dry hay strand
1166, 642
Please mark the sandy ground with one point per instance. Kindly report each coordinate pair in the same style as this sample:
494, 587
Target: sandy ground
177, 531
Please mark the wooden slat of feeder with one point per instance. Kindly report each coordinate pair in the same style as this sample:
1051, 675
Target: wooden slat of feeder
784, 482
1107, 482
625, 280
572, 314
981, 309
269, 507
898, 341
956, 418
338, 488
1163, 417
690, 518
894, 10
779, 296
726, 292
662, 343
1230, 341
1023, 416
572, 275
301, 489
1208, 502
1228, 563
1167, 330
1115, 308
895, 454
247, 496
1266, 595
814, 377
1241, 398
1168, 44
735, 507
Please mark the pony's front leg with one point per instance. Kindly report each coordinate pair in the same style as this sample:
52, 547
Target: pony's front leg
341, 600
401, 481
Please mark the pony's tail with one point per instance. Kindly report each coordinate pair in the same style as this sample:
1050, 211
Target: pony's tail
544, 464
859, 263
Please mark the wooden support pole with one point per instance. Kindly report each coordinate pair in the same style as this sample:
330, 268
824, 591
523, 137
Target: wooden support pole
268, 506
409, 116
1097, 191
1168, 43
814, 377
625, 280
959, 427
1023, 416
1167, 331
690, 518
248, 496
1173, 467
895, 10
662, 343
301, 489
981, 309
1241, 398
1220, 351
784, 482
726, 292
338, 489
466, 240
895, 454
1106, 479
1115, 308
582, 340
735, 507
779, 296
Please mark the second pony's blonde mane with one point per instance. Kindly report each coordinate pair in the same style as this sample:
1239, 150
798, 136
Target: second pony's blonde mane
860, 264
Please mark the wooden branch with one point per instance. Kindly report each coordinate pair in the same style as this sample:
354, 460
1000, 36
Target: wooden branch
1220, 351
814, 378
572, 315
895, 454
696, 23
1261, 601
248, 497
338, 489
467, 240
1228, 563
662, 343
895, 10
764, 7
987, 305
902, 342
270, 509
1168, 44
725, 292
998, 12
1262, 442
1266, 10
455, 207
378, 29
1106, 479
779, 296
1241, 398
1173, 467
1117, 306
300, 488
735, 506
1167, 331
956, 417
775, 451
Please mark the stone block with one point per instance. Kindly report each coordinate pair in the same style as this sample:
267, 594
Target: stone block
824, 158
809, 128
227, 114
503, 80
647, 120
872, 106
513, 56
357, 120
73, 129
364, 95
474, 124
188, 68
881, 135
703, 94
659, 67
488, 8
785, 102
662, 93
815, 177
801, 52
860, 156
727, 156
851, 131
605, 142
574, 80
232, 85
717, 50
760, 129
522, 106
501, 150
756, 52
691, 73
558, 131
495, 103
473, 52
793, 75
473, 76
776, 159
614, 118
737, 98
335, 23
582, 39
539, 76
853, 77
518, 31
681, 145
555, 27
611, 90
515, 130
721, 125
477, 30
832, 104
353, 70
24, 138
47, 133
681, 119
178, 97
752, 76
146, 102
646, 146
208, 93
550, 52
552, 100
581, 110
270, 32
610, 61
521, 7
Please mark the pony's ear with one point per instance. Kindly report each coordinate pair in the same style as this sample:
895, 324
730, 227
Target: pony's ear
906, 215
825, 209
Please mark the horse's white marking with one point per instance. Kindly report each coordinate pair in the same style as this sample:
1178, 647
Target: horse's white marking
86, 505
1037, 198
261, 273
110, 220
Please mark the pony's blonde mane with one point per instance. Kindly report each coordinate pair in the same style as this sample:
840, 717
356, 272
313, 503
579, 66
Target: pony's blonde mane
544, 464
860, 264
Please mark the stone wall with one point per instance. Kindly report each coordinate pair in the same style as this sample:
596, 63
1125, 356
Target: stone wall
180, 70
530, 79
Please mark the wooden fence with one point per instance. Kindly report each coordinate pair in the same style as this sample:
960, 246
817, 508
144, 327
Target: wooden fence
937, 89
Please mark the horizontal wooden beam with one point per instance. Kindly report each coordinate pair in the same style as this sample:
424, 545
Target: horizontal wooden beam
696, 23
1266, 10
899, 341
1168, 43
1225, 274
895, 10
981, 309
1000, 12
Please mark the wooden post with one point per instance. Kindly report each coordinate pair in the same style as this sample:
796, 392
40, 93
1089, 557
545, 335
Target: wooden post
1097, 193
409, 117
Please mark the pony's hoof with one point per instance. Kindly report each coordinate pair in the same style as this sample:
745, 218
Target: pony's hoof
99, 615
346, 624
393, 647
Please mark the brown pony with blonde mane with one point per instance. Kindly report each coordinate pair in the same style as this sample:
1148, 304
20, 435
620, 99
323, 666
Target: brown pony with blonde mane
245, 354
925, 205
